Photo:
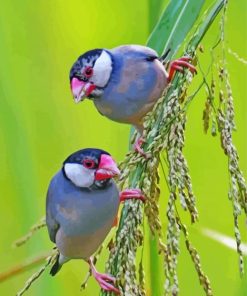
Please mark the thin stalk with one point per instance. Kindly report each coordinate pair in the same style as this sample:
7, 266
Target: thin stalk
22, 267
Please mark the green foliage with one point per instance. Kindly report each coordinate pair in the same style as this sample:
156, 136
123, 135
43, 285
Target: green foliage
164, 130
40, 126
174, 25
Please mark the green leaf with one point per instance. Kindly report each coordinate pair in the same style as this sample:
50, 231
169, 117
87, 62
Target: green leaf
155, 262
202, 28
155, 8
174, 25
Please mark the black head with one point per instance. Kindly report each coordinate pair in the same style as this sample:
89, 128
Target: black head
90, 166
87, 59
90, 74
88, 153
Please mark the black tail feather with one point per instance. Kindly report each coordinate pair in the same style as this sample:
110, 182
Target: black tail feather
56, 267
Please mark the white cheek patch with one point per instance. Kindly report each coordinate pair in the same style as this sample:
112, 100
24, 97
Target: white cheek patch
79, 175
102, 70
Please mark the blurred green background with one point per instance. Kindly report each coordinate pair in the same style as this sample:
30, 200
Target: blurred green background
40, 126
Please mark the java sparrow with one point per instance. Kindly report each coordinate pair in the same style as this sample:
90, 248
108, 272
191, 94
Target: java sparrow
81, 206
124, 82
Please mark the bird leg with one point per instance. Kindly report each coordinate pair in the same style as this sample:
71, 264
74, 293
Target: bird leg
138, 148
177, 65
131, 194
139, 141
105, 281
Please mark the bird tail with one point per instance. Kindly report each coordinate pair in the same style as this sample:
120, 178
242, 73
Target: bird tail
60, 260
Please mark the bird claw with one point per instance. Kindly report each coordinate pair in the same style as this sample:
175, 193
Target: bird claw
105, 281
131, 194
177, 65
138, 148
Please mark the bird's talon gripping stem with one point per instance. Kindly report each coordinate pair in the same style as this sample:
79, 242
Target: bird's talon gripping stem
105, 281
131, 194
177, 65
138, 144
138, 148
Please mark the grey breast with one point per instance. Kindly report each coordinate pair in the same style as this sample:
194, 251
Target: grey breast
83, 216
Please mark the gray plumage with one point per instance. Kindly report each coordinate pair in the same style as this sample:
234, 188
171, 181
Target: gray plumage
81, 207
78, 219
136, 83
136, 79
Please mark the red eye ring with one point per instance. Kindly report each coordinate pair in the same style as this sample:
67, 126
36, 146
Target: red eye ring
88, 72
88, 163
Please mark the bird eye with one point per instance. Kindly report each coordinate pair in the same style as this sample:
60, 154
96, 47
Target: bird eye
88, 163
88, 72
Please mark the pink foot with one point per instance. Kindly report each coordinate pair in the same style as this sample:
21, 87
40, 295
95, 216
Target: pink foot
138, 148
131, 194
105, 281
177, 65
138, 144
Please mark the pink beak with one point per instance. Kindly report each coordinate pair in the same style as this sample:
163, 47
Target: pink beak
107, 168
81, 89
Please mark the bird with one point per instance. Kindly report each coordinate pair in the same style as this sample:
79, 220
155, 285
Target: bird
81, 206
124, 82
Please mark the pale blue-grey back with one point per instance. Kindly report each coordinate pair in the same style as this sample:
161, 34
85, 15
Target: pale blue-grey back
134, 83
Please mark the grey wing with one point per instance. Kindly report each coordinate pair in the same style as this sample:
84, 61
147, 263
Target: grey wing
51, 222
